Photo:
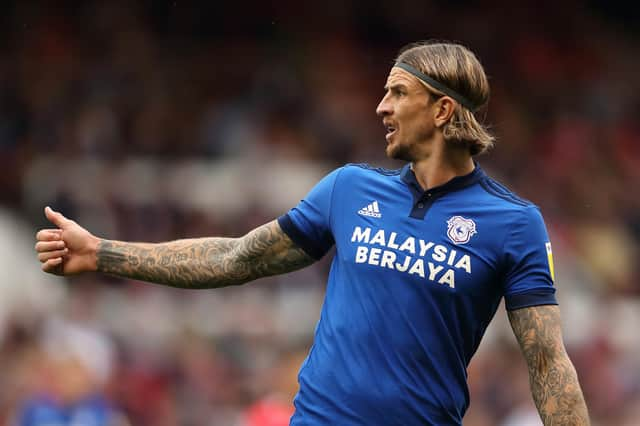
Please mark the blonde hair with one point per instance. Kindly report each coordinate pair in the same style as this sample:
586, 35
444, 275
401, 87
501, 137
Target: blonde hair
456, 67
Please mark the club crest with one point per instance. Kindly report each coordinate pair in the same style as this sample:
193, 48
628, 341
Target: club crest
460, 229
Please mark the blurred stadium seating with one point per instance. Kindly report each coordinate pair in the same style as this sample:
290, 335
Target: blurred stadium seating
161, 120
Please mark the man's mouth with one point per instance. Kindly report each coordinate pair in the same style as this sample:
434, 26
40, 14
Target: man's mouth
390, 131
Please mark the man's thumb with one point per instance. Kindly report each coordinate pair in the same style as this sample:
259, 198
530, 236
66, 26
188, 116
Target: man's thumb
56, 218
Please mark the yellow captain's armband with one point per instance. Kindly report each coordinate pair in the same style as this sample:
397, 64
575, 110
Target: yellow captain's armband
550, 259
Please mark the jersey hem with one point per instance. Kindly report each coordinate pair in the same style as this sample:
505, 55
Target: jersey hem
530, 298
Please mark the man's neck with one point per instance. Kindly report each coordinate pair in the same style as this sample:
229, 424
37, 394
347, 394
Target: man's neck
440, 167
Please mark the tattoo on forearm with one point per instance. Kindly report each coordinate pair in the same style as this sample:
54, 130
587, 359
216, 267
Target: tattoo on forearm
553, 379
205, 262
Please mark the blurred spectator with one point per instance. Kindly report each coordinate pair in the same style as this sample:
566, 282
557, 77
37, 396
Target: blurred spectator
70, 374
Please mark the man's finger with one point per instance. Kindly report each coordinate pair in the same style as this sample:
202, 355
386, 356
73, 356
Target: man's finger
49, 235
52, 265
42, 246
56, 218
46, 255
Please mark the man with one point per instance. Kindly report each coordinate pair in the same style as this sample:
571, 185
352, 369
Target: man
424, 255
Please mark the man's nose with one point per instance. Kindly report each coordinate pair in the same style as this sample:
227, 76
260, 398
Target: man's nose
384, 107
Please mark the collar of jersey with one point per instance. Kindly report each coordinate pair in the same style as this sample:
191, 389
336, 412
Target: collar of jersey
458, 182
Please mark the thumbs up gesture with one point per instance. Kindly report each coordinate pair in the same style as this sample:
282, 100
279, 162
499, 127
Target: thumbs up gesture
67, 249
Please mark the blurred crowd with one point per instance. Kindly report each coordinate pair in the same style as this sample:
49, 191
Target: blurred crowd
162, 120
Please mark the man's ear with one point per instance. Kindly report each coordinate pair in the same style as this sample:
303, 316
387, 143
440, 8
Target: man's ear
443, 110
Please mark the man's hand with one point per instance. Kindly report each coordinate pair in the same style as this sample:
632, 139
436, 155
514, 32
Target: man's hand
67, 250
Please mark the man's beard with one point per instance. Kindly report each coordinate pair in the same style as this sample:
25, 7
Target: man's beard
400, 152
413, 149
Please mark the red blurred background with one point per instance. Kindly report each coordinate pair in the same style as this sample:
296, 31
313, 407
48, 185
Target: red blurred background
161, 120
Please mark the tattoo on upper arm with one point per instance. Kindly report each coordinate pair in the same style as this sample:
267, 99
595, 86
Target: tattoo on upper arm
205, 262
267, 250
553, 379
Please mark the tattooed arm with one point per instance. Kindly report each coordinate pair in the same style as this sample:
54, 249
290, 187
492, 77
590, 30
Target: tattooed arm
553, 379
190, 263
205, 262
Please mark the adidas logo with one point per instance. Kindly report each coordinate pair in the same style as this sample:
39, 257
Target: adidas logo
371, 210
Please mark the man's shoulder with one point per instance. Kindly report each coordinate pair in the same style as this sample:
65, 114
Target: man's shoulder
365, 169
359, 178
507, 208
504, 196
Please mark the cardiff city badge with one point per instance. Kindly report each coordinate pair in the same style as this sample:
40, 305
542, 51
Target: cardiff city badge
460, 229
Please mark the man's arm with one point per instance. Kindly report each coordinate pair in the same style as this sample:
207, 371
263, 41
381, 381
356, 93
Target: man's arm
205, 262
553, 379
189, 263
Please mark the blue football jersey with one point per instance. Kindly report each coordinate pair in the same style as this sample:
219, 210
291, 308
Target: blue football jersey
416, 278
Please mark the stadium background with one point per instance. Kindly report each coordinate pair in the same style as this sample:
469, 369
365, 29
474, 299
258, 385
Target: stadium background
160, 120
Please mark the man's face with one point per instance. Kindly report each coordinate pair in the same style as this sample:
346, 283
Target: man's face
406, 114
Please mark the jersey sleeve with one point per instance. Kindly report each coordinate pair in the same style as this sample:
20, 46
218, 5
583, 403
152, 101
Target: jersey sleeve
309, 223
529, 263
